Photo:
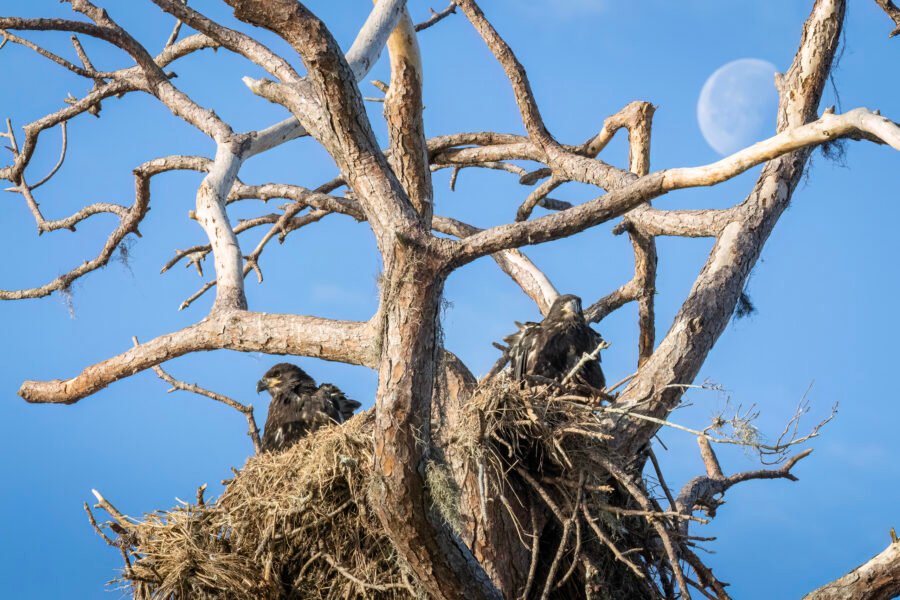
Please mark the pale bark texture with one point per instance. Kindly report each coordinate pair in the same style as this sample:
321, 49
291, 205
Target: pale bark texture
873, 580
534, 534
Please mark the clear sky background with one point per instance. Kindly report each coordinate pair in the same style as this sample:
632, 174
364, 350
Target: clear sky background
825, 287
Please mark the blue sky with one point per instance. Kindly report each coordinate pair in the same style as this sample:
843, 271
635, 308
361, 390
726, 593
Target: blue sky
824, 288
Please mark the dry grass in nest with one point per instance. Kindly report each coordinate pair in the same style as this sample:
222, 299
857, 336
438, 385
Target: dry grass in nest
291, 525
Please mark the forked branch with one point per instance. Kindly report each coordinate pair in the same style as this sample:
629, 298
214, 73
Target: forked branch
244, 409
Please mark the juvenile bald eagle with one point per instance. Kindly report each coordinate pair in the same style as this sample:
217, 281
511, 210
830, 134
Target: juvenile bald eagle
554, 346
299, 406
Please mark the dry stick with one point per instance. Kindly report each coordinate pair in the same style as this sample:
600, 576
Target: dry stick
563, 543
576, 552
88, 73
436, 17
175, 30
364, 584
705, 573
512, 515
534, 198
200, 491
542, 493
119, 546
245, 409
699, 587
535, 553
585, 359
59, 163
636, 493
96, 527
619, 384
284, 225
661, 478
112, 510
773, 449
610, 544
650, 514
83, 57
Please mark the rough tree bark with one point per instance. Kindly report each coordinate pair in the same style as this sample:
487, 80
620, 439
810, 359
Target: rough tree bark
421, 388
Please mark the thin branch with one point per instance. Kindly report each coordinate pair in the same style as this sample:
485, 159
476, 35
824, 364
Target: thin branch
245, 409
585, 359
122, 82
701, 492
661, 478
62, 157
777, 449
378, 587
436, 17
610, 544
106, 505
173, 37
550, 585
88, 72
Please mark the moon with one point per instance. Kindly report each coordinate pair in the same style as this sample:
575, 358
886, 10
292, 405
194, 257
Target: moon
738, 105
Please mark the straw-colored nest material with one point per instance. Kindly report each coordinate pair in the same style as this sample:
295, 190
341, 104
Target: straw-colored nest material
299, 524
290, 525
553, 430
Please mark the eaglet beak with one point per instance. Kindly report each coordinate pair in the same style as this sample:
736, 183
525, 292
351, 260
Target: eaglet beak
261, 385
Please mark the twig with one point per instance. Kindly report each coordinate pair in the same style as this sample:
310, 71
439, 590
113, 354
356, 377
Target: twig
436, 17
576, 553
112, 510
610, 544
770, 449
96, 527
563, 543
611, 389
535, 554
59, 163
661, 478
245, 409
363, 584
175, 30
585, 359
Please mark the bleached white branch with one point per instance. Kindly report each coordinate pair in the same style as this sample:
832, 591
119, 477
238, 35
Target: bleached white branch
212, 216
363, 54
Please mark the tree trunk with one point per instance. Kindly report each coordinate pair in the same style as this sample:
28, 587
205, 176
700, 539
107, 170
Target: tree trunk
411, 296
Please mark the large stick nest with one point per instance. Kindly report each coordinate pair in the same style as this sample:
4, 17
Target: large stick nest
300, 524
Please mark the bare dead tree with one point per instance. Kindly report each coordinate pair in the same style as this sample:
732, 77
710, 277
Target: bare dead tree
416, 408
